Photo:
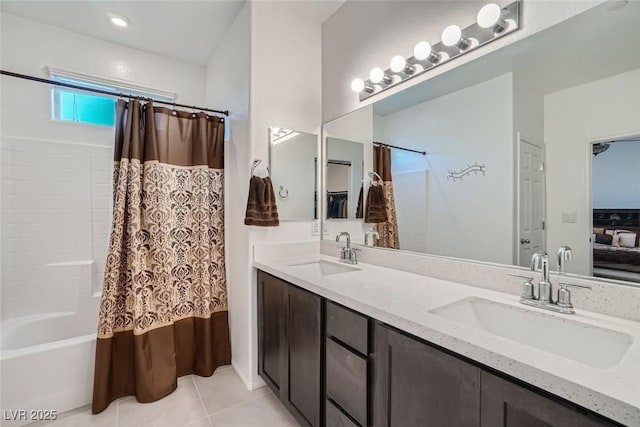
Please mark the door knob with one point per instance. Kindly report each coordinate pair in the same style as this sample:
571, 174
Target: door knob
525, 241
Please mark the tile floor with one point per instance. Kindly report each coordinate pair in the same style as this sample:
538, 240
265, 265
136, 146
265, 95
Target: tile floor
220, 400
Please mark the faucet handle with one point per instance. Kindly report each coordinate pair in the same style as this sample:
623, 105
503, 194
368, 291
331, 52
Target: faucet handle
527, 287
564, 294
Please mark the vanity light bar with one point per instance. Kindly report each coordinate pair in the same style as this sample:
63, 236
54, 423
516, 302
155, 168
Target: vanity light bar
492, 23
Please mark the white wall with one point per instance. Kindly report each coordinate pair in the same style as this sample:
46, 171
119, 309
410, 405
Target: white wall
352, 45
56, 176
293, 165
573, 118
471, 218
616, 177
277, 85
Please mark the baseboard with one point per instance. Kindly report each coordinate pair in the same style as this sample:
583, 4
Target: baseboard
251, 385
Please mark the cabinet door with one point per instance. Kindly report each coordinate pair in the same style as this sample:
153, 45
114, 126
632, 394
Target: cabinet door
271, 305
505, 404
303, 331
418, 385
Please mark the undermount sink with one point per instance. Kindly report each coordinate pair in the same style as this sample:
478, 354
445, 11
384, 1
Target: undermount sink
590, 345
324, 268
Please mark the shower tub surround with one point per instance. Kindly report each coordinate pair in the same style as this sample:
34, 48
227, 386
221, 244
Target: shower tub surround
404, 291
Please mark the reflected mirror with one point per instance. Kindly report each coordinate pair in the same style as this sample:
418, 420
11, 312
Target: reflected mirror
293, 162
531, 147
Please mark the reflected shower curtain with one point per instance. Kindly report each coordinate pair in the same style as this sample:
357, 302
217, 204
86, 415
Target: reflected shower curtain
388, 231
163, 312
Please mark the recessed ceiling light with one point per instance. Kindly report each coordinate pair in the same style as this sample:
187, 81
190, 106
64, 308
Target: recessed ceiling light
615, 5
118, 21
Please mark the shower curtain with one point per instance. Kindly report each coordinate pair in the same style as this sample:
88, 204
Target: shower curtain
388, 231
163, 312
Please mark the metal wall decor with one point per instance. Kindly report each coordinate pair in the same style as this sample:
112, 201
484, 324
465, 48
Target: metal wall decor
471, 169
492, 23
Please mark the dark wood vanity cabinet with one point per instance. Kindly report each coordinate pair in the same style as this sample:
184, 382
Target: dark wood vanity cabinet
506, 404
334, 367
418, 385
290, 346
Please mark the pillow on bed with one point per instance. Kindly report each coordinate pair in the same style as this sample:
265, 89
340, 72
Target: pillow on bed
627, 240
604, 239
609, 232
598, 230
615, 240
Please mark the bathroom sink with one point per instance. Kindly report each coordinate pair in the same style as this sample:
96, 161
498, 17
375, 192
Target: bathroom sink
324, 268
591, 345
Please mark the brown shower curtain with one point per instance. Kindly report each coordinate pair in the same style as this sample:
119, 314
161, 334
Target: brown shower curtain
163, 312
388, 230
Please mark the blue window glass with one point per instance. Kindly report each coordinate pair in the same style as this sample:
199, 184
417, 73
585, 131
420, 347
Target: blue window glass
72, 106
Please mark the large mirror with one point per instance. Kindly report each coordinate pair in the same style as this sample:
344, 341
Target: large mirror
532, 147
293, 161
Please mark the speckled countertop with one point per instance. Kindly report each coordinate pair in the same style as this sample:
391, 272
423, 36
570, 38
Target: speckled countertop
404, 300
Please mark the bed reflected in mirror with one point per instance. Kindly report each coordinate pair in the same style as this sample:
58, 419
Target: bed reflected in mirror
615, 183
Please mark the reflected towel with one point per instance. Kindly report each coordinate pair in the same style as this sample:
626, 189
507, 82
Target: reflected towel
261, 204
376, 210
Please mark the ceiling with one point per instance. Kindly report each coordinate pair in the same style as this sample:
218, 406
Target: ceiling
186, 30
593, 45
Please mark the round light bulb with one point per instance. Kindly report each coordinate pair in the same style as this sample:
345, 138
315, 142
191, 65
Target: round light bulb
489, 15
422, 51
357, 85
376, 75
451, 35
117, 20
397, 63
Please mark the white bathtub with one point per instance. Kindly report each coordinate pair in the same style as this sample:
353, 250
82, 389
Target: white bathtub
46, 364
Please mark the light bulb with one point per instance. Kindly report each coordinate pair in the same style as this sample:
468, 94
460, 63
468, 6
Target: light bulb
423, 51
490, 16
452, 36
397, 63
357, 85
376, 75
117, 20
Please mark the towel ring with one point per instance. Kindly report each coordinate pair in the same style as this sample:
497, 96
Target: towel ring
286, 192
372, 174
255, 164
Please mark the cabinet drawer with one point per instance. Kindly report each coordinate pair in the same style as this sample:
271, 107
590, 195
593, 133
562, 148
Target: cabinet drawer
347, 380
349, 327
335, 417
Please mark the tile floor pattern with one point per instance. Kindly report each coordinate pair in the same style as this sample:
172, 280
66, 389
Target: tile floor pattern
221, 400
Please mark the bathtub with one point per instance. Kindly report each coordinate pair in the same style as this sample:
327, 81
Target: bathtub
47, 364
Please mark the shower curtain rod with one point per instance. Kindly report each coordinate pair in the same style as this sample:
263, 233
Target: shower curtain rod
424, 153
106, 92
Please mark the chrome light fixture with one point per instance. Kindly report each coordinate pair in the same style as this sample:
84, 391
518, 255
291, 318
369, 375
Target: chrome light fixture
490, 16
452, 36
491, 23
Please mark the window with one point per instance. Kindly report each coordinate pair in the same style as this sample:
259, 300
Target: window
72, 106
78, 106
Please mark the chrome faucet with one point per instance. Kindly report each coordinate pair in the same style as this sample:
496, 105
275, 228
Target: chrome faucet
369, 233
540, 260
347, 254
564, 254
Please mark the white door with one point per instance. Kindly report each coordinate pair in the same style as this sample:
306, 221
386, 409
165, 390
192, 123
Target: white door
531, 206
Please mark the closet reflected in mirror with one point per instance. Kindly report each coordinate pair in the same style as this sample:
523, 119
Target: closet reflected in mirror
293, 160
514, 158
344, 182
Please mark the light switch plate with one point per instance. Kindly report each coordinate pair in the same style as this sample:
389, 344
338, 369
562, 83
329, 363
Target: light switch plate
315, 227
569, 217
325, 228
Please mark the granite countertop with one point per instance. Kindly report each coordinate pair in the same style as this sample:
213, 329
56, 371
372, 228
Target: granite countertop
404, 300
